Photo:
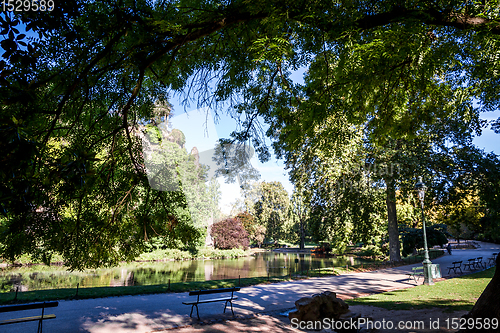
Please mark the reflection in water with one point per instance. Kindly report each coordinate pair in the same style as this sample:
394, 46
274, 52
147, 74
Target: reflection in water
126, 278
150, 273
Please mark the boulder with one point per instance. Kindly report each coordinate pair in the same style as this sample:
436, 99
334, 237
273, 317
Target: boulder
318, 307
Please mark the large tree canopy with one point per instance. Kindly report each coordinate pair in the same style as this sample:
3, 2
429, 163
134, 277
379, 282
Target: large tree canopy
73, 99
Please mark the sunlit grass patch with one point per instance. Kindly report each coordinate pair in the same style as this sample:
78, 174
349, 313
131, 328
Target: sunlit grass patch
454, 294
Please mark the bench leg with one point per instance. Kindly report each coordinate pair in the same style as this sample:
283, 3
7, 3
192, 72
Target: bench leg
231, 307
197, 313
40, 322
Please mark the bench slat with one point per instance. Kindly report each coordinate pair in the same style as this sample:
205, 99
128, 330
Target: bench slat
213, 291
223, 299
26, 319
29, 306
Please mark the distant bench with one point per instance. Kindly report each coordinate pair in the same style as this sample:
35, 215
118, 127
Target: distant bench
30, 306
456, 265
415, 274
493, 258
470, 264
227, 299
474, 263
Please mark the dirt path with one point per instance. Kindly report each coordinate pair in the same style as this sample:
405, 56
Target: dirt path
421, 321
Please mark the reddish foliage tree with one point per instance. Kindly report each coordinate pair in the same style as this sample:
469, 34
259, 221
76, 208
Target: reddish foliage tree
229, 234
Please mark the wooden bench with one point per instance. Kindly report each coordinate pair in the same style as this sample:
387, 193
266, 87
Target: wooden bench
480, 263
470, 264
30, 306
415, 274
456, 265
493, 258
227, 299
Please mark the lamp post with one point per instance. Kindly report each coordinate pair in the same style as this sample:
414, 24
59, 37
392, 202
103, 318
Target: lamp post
420, 187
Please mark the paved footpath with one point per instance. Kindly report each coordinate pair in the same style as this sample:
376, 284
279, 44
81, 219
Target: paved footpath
159, 312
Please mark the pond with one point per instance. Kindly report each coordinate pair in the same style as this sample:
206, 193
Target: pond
270, 263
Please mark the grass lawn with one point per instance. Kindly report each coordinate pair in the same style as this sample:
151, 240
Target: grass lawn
454, 294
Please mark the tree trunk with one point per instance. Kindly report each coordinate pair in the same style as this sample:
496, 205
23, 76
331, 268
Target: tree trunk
392, 219
302, 235
487, 306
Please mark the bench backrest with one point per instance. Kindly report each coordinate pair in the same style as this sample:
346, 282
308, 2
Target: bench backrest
29, 306
213, 291
418, 268
456, 262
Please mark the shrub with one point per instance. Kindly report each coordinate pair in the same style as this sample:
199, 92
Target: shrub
370, 251
229, 234
414, 238
216, 254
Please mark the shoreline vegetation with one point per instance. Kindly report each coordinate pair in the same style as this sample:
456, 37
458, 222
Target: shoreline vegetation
101, 292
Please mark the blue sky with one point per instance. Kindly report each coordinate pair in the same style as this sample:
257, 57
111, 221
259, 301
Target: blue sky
489, 140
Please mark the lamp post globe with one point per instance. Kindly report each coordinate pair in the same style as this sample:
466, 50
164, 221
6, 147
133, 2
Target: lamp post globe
420, 188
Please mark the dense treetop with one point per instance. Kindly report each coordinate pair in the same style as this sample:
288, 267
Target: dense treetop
72, 99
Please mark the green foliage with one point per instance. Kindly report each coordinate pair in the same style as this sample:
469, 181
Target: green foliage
413, 239
407, 211
202, 253
370, 251
270, 209
256, 232
72, 176
221, 254
345, 204
470, 205
299, 213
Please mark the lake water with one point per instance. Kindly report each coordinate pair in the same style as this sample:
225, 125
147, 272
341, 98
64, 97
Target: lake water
38, 277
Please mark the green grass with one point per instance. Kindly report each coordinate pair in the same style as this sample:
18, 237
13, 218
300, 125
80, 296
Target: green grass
454, 294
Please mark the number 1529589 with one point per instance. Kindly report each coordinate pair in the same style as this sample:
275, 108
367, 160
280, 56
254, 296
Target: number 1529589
27, 5
472, 323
